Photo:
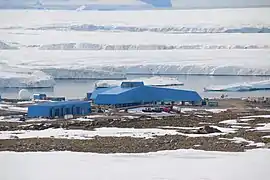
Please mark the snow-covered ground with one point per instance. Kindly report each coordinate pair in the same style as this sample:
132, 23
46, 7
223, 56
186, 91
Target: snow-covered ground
108, 132
216, 110
233, 122
169, 165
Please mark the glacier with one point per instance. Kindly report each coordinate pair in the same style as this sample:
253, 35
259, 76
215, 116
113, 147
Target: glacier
24, 78
241, 87
109, 64
78, 45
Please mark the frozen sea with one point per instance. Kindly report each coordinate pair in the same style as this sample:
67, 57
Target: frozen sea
62, 52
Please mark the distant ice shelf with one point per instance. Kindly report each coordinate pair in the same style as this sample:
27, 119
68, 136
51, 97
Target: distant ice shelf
96, 47
245, 86
112, 65
22, 78
152, 81
158, 29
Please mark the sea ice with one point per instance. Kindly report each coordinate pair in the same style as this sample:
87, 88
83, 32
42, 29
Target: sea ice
246, 86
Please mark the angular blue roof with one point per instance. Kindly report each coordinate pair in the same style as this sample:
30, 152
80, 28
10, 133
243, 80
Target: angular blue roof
98, 91
60, 103
119, 95
117, 90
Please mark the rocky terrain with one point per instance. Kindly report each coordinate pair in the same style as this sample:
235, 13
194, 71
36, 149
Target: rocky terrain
202, 123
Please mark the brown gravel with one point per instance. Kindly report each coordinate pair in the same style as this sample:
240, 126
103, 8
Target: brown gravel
120, 145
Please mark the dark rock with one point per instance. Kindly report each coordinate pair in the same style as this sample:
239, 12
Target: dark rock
208, 130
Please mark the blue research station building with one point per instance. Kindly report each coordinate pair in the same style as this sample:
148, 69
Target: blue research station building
59, 109
128, 94
135, 93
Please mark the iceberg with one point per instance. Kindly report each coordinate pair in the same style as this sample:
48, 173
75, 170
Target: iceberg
150, 81
22, 78
241, 87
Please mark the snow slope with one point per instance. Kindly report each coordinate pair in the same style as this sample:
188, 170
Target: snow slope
170, 165
246, 86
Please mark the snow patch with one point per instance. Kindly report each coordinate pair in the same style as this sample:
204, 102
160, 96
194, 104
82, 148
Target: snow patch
265, 128
184, 110
194, 135
255, 116
233, 122
246, 119
84, 134
152, 114
242, 140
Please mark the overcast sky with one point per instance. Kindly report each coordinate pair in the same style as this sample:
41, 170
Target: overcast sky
175, 3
